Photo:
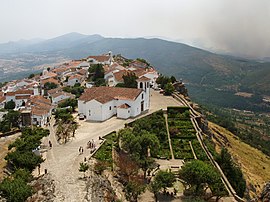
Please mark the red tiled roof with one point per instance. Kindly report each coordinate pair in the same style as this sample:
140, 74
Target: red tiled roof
82, 72
143, 78
10, 94
55, 90
39, 112
119, 75
51, 80
105, 94
40, 99
2, 99
100, 58
24, 92
75, 76
60, 69
124, 106
22, 97
51, 74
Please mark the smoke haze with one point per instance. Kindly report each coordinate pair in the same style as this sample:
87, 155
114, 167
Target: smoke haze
240, 27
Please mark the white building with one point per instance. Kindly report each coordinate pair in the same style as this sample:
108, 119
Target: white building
72, 80
101, 103
101, 59
60, 96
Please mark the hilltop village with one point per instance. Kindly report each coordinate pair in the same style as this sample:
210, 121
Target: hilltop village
107, 116
37, 96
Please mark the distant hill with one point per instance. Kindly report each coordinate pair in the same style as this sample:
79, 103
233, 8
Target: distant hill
200, 69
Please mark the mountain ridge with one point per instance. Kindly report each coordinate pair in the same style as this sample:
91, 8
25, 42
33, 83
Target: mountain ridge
197, 67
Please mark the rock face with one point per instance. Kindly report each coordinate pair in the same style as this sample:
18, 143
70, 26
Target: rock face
265, 195
44, 189
99, 189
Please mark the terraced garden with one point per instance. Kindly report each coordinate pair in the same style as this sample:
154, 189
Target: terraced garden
182, 134
155, 124
104, 153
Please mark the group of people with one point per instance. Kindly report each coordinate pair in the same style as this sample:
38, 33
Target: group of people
91, 144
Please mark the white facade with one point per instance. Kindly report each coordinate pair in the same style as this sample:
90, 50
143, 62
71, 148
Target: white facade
153, 77
10, 97
19, 102
97, 111
40, 120
123, 113
60, 97
72, 82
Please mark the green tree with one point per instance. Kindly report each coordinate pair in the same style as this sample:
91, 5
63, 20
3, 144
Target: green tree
13, 117
63, 115
141, 147
173, 79
130, 80
163, 80
198, 173
10, 105
31, 76
168, 89
27, 159
100, 82
73, 103
155, 187
232, 172
164, 179
83, 168
15, 190
96, 71
143, 61
75, 90
133, 189
50, 85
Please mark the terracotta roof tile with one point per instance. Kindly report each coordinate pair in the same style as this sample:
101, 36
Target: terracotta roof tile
75, 76
10, 94
2, 99
100, 58
51, 80
143, 78
39, 112
22, 97
55, 90
110, 93
24, 92
82, 72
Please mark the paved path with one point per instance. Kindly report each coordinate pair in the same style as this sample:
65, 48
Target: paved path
169, 138
62, 161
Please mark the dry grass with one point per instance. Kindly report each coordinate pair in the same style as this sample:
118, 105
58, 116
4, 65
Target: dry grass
254, 164
4, 142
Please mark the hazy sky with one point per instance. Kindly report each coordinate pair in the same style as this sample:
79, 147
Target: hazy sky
236, 26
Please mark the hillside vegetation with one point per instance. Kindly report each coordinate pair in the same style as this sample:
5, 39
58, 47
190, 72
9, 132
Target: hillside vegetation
254, 164
194, 65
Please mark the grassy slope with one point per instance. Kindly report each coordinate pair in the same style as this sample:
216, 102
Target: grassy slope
254, 164
4, 150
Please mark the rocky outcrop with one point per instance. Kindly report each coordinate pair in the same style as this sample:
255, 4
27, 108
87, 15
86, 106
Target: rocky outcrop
99, 189
265, 195
44, 189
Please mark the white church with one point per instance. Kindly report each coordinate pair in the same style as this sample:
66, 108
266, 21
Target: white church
101, 103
